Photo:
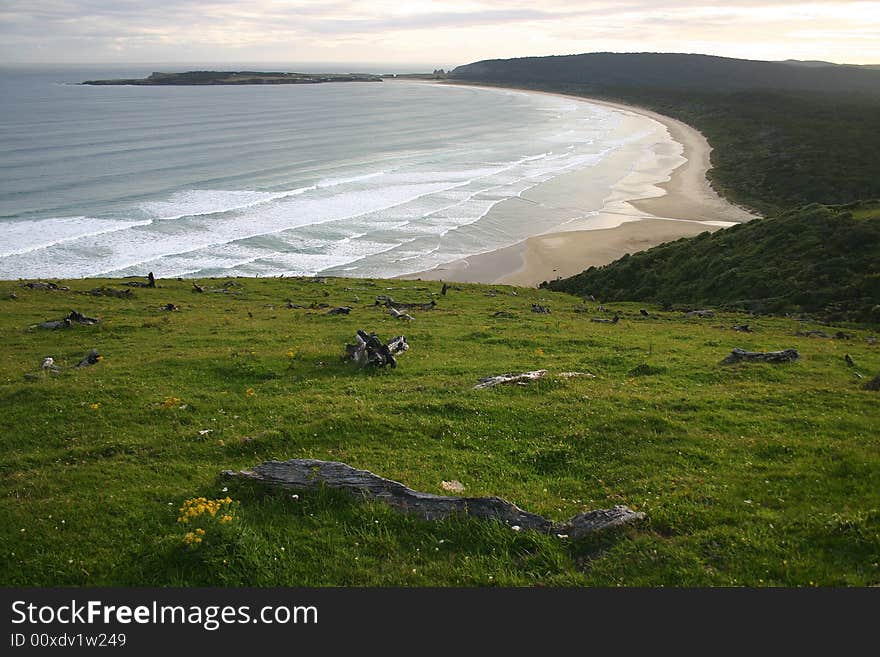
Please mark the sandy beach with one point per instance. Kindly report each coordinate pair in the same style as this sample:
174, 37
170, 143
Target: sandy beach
664, 198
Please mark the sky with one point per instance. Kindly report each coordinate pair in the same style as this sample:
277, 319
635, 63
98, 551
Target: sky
437, 34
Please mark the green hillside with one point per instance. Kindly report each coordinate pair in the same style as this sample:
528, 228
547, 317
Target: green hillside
817, 259
783, 135
750, 475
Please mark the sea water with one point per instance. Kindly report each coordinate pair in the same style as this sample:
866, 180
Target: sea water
355, 179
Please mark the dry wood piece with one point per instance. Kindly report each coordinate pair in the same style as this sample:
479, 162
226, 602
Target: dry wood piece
49, 365
43, 285
700, 313
369, 350
573, 375
73, 318
90, 358
341, 310
197, 287
503, 314
644, 313
519, 379
302, 474
784, 356
394, 312
818, 334
110, 292
389, 302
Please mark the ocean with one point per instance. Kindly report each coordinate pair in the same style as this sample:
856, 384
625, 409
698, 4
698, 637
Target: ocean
361, 179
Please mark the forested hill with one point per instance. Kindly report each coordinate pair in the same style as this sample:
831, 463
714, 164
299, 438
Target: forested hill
783, 135
816, 259
674, 71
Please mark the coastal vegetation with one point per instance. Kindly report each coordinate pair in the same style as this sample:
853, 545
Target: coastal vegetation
208, 78
814, 259
783, 135
753, 474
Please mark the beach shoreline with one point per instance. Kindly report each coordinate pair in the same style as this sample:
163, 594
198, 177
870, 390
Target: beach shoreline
665, 201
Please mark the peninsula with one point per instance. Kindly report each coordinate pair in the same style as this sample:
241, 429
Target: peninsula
238, 77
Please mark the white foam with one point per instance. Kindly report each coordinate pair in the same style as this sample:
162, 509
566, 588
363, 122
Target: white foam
27, 235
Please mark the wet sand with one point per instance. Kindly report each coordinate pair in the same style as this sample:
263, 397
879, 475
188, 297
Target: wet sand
664, 198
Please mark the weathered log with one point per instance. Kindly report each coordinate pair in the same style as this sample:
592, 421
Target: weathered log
818, 334
504, 314
90, 358
784, 356
598, 320
73, 318
197, 287
43, 285
742, 328
700, 313
519, 379
394, 312
305, 474
49, 365
538, 308
644, 313
369, 350
340, 310
849, 361
398, 305
110, 292
572, 375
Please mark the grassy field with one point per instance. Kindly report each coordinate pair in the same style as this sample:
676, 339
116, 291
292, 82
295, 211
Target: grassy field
750, 475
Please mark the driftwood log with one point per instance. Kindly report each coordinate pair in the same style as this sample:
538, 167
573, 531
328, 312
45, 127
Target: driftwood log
784, 356
110, 292
43, 285
73, 318
809, 334
368, 349
519, 379
303, 474
91, 358
388, 302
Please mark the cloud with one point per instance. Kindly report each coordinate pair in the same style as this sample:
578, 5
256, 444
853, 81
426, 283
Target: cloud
455, 31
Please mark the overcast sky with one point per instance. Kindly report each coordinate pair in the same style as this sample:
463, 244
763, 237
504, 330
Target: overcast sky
439, 34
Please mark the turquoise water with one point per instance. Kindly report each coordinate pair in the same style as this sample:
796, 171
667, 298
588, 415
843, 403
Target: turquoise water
360, 179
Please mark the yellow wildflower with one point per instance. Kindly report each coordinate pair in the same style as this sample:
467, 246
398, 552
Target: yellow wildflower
171, 402
95, 406
250, 392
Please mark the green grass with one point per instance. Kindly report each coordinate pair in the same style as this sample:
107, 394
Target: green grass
754, 475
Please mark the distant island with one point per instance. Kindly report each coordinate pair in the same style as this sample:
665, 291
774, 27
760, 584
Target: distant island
238, 77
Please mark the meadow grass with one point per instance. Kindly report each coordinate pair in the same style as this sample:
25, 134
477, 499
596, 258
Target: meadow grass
751, 474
